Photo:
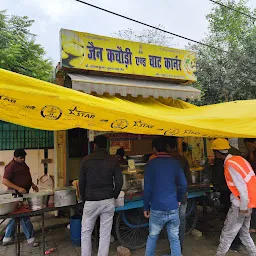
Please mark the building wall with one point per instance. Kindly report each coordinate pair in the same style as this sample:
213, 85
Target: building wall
140, 147
33, 160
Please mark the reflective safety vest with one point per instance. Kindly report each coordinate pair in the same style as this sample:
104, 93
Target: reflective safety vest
243, 167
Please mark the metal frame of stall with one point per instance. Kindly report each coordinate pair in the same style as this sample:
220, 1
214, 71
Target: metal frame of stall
129, 218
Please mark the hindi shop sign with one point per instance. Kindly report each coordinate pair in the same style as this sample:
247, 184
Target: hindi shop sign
93, 52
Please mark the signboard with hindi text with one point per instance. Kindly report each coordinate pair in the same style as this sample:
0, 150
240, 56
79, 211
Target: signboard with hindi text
99, 53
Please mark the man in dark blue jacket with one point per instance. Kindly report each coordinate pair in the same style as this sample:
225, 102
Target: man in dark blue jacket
165, 187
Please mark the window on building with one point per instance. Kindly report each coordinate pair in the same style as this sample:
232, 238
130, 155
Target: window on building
77, 143
14, 136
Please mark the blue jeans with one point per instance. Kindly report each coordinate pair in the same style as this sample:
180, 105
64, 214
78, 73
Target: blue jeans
26, 226
157, 221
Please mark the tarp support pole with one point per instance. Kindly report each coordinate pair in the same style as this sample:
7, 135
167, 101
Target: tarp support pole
56, 178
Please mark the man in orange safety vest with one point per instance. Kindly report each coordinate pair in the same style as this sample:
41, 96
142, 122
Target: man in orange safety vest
241, 181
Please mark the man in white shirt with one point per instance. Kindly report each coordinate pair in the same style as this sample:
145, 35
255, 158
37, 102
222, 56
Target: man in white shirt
241, 181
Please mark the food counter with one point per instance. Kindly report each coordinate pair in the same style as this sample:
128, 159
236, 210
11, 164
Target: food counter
133, 180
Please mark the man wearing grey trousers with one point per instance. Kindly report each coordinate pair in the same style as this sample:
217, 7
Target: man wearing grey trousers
241, 181
99, 183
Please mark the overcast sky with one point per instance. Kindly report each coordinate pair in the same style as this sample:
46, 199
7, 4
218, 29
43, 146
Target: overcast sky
184, 17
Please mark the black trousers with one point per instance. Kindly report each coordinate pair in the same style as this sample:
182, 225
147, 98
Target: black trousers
253, 220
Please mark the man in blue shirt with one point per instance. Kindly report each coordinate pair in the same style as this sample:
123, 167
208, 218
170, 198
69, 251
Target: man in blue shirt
172, 147
165, 187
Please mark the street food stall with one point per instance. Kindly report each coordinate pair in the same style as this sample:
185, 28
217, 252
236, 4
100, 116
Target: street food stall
124, 87
119, 69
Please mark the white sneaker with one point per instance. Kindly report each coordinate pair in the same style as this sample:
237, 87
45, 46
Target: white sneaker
32, 242
7, 241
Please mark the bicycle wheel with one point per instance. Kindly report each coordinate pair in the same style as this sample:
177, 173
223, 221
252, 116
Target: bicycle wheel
132, 229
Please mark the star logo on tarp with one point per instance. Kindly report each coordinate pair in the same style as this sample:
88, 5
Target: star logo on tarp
79, 113
6, 98
142, 124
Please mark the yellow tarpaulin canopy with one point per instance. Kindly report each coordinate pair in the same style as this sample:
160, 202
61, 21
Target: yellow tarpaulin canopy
37, 104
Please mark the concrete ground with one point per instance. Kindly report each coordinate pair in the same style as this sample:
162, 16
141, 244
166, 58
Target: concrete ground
58, 237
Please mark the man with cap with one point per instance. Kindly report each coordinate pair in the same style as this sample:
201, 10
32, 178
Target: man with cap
100, 182
241, 181
222, 187
17, 176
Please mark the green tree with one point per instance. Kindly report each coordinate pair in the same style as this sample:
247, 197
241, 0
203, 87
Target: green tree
229, 73
18, 50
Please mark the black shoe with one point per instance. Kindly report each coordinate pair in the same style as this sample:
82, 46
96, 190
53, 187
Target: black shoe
237, 248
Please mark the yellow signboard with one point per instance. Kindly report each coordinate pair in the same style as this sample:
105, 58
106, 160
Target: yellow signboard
93, 52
